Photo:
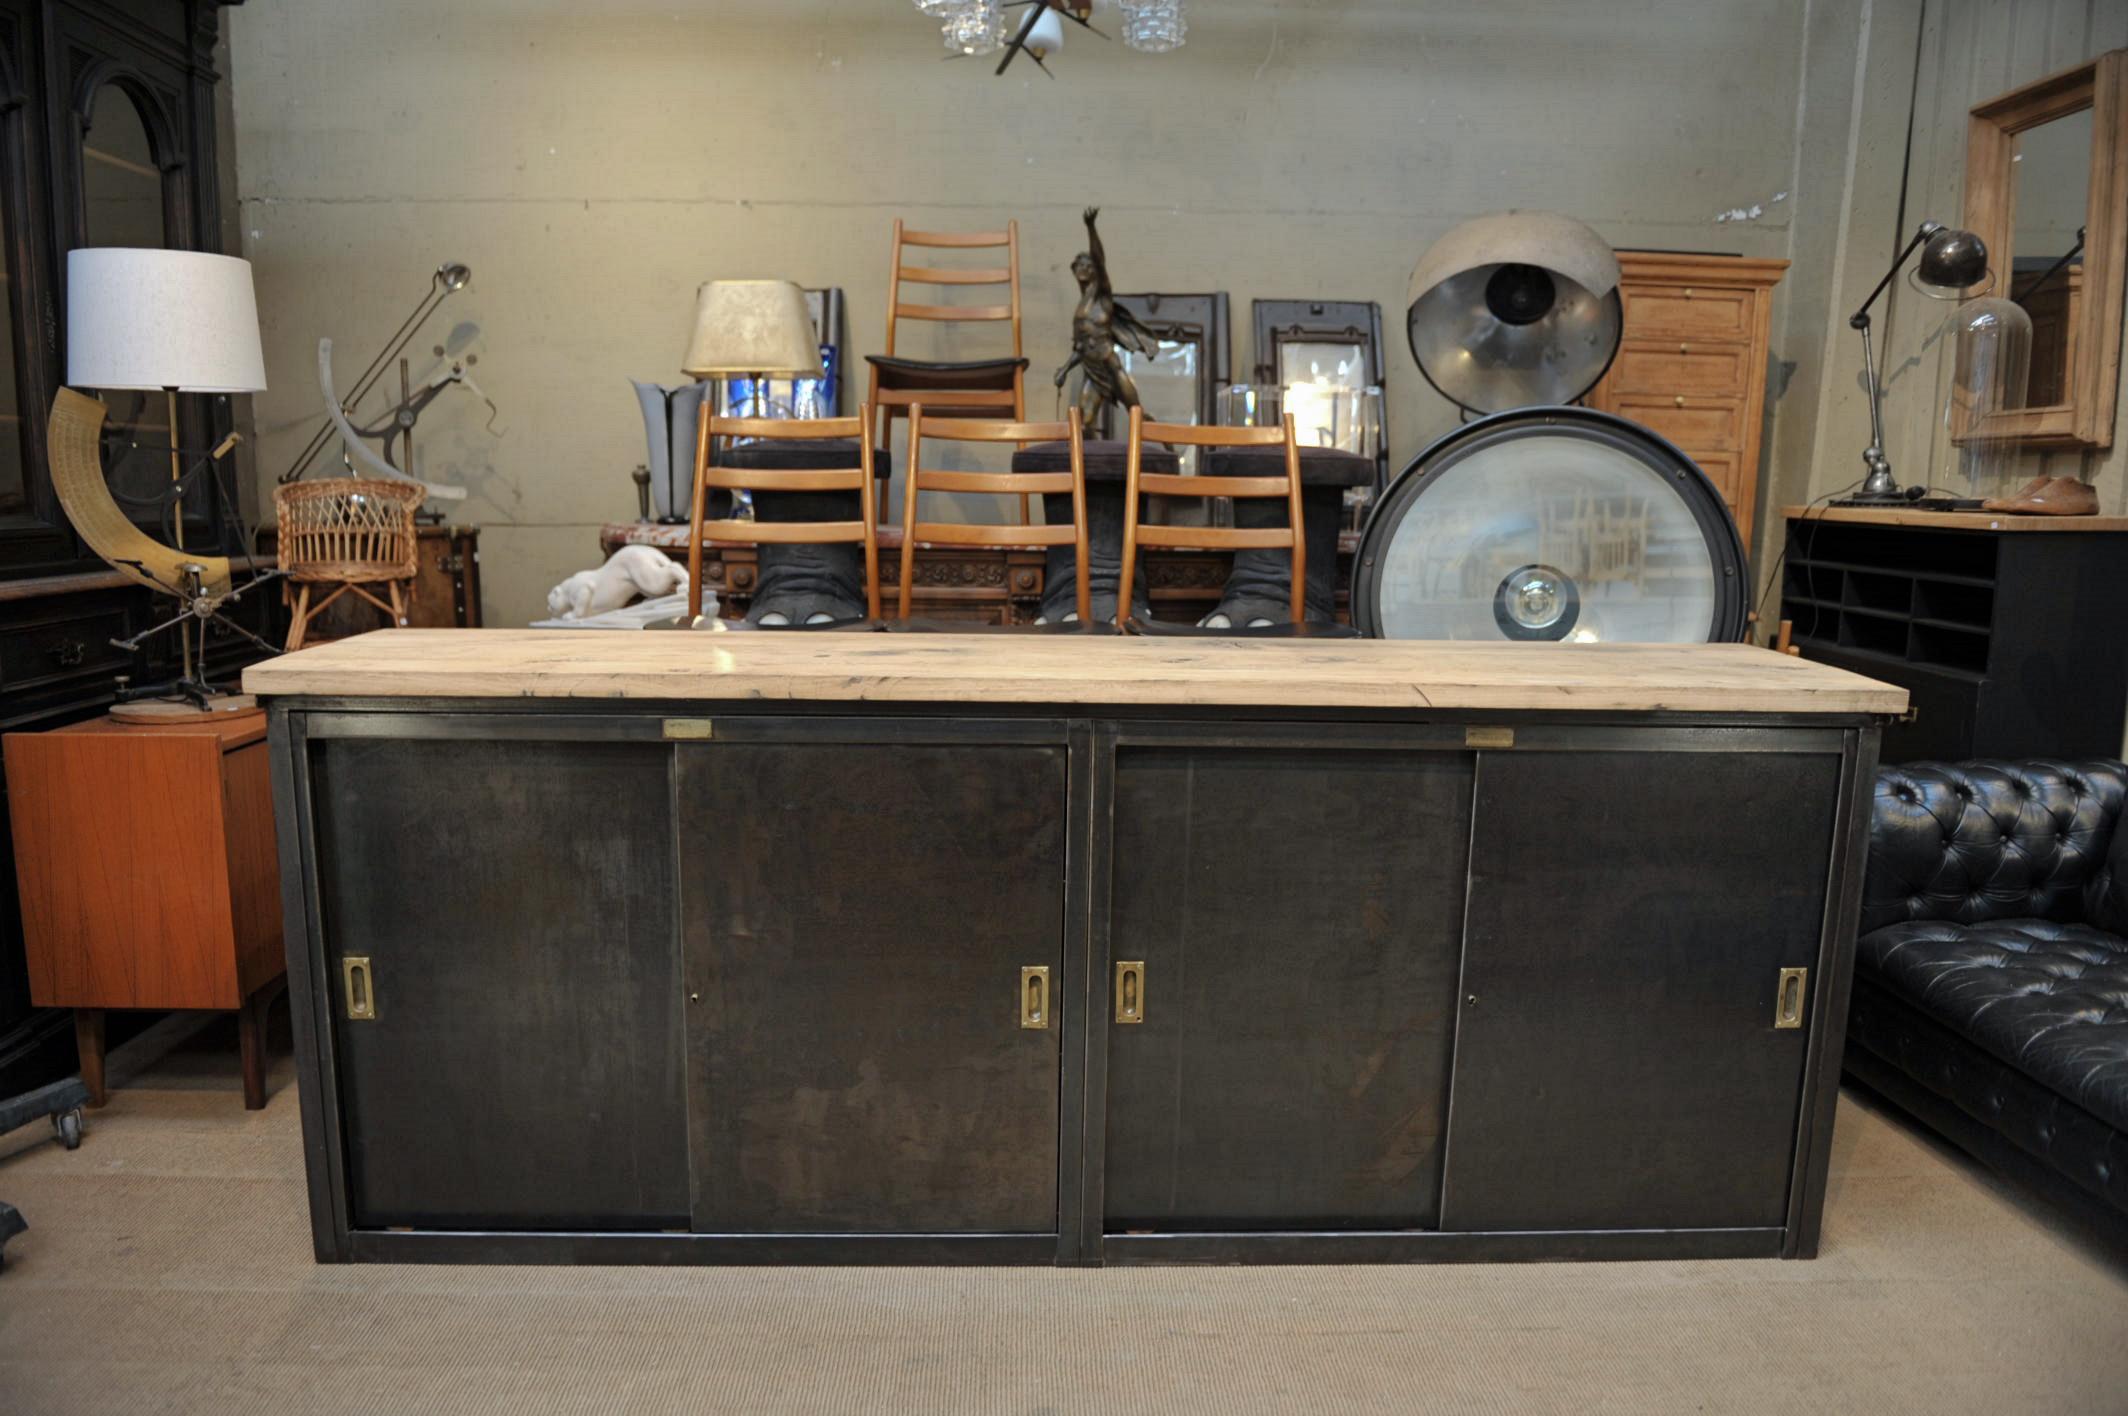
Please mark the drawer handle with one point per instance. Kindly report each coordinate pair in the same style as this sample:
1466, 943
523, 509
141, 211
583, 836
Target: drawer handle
1688, 292
1130, 990
1034, 997
1684, 349
359, 987
1788, 998
70, 654
1680, 400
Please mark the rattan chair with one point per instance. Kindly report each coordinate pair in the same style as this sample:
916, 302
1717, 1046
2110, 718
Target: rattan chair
350, 533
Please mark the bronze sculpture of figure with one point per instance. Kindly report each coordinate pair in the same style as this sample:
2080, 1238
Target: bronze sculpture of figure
1099, 328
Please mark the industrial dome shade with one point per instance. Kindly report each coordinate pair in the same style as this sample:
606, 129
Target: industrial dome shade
1515, 309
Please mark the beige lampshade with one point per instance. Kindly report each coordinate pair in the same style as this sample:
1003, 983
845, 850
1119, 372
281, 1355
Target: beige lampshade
752, 327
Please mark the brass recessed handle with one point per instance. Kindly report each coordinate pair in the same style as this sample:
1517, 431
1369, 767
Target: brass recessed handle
1788, 998
1130, 990
359, 988
1034, 996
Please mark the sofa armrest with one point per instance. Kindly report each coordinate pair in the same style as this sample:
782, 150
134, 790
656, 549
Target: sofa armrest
2106, 896
1974, 841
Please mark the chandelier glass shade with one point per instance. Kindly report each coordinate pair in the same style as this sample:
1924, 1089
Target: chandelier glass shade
1154, 26
973, 27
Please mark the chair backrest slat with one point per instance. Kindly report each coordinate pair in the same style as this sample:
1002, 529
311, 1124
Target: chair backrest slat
954, 314
712, 426
1139, 484
922, 478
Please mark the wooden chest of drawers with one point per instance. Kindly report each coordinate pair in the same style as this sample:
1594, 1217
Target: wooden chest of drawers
1693, 363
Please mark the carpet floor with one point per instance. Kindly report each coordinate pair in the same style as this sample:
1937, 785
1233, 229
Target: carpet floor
168, 1269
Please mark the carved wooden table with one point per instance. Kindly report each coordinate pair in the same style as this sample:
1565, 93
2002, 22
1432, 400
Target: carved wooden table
955, 948
985, 584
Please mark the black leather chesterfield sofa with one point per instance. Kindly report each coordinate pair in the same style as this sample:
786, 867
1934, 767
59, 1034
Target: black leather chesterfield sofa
1991, 976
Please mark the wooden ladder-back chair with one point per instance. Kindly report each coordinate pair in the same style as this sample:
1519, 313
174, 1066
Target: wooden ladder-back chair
925, 427
858, 479
1139, 484
978, 388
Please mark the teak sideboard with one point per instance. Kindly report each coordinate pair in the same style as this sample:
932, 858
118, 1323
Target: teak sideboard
958, 948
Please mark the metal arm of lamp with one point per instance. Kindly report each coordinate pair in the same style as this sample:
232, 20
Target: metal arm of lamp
450, 277
1952, 261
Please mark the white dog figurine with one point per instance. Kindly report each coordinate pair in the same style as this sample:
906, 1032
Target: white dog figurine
633, 571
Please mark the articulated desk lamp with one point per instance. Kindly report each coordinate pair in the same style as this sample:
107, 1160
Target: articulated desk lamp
178, 322
1952, 262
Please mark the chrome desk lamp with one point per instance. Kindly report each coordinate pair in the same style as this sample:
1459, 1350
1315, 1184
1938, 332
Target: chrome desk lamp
1952, 261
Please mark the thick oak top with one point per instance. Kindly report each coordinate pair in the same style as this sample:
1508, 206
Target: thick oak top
1066, 669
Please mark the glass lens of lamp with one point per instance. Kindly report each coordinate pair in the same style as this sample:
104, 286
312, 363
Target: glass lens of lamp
1548, 534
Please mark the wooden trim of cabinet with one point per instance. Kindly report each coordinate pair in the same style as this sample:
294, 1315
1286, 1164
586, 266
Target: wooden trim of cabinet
1674, 267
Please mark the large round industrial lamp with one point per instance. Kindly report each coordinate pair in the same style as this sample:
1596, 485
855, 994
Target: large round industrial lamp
1561, 524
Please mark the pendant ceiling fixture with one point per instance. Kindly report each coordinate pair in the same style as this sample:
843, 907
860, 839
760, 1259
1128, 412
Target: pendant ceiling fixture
974, 28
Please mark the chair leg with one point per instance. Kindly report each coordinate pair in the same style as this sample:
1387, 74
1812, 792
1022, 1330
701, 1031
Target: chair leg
299, 618
88, 1042
398, 604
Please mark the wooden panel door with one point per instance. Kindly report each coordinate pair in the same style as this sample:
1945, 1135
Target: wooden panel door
1299, 915
514, 901
1617, 1060
858, 923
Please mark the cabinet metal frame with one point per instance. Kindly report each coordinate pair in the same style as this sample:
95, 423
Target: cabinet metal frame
1093, 737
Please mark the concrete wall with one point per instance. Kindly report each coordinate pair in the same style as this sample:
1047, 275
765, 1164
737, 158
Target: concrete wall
593, 162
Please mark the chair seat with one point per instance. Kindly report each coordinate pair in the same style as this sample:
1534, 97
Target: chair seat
1167, 629
1106, 459
1319, 466
930, 375
2049, 999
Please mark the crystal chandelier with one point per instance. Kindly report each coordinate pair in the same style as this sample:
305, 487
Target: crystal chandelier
973, 26
1153, 26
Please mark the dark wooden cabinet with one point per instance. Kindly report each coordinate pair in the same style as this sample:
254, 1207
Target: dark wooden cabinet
905, 985
107, 137
2005, 630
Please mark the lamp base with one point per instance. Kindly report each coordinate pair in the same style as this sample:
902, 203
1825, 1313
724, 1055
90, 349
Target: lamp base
178, 710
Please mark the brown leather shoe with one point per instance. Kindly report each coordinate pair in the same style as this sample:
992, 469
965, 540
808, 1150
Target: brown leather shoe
2061, 496
2029, 489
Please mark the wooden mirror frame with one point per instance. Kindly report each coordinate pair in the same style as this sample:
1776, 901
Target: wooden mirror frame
2093, 369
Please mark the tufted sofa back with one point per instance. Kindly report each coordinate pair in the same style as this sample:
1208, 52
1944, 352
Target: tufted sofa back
1974, 841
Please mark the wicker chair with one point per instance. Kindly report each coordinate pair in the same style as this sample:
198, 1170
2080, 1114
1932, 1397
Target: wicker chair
349, 533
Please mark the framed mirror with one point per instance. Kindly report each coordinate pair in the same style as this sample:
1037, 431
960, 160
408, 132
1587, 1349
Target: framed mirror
2046, 187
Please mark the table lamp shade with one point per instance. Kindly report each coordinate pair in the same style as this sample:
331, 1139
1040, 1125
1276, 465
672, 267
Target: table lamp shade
752, 327
140, 319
